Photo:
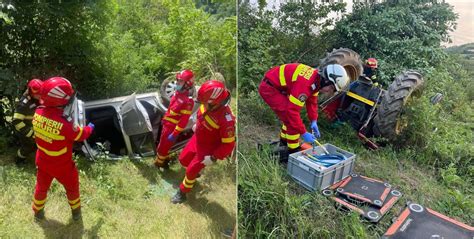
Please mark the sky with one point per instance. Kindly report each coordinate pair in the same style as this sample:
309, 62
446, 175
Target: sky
463, 34
465, 28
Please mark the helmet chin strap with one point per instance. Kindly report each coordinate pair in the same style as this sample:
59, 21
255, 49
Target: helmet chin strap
325, 82
218, 106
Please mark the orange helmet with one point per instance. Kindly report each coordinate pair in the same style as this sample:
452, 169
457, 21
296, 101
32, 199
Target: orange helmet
213, 92
34, 87
187, 76
56, 91
371, 62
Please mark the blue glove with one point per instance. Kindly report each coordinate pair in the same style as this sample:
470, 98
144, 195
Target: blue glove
171, 137
314, 127
91, 125
308, 137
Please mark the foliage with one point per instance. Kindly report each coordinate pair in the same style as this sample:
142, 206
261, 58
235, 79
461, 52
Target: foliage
113, 48
401, 34
272, 37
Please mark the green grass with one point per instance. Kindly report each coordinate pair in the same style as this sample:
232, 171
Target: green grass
125, 199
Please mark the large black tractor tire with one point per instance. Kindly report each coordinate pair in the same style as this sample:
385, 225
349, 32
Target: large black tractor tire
390, 121
167, 89
346, 57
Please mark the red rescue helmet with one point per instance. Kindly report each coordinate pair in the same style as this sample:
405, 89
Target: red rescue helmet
56, 91
213, 92
187, 76
372, 63
34, 87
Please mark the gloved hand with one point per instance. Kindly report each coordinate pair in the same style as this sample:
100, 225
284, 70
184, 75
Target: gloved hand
308, 137
315, 129
172, 137
91, 125
208, 160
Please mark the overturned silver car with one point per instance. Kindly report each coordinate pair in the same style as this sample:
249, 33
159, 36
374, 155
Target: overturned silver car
124, 126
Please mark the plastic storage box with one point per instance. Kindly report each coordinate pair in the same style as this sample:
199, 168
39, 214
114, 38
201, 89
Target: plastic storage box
315, 177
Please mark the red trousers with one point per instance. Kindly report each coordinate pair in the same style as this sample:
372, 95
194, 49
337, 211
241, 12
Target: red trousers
278, 102
191, 160
165, 145
66, 174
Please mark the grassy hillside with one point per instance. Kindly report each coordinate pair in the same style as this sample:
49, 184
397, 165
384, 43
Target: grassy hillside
433, 168
126, 199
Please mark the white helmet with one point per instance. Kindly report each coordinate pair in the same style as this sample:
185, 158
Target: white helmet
336, 74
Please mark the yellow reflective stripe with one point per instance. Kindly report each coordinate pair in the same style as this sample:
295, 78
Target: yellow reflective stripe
360, 98
39, 201
187, 186
79, 135
298, 70
189, 181
162, 157
30, 133
173, 113
295, 101
74, 201
292, 136
53, 153
48, 134
228, 140
76, 206
208, 119
29, 117
282, 75
284, 127
293, 146
316, 94
19, 116
282, 135
211, 122
19, 126
202, 109
170, 120
179, 129
38, 208
185, 112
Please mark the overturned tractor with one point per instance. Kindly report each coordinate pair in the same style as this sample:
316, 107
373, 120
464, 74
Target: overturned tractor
371, 110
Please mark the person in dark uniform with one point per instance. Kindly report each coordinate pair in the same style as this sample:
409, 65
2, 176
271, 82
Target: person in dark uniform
24, 111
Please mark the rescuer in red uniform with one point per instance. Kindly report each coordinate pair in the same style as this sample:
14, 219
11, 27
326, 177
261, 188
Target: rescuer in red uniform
214, 136
176, 118
24, 111
54, 137
288, 87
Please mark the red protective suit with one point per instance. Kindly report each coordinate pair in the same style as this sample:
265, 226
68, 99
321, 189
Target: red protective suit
214, 136
175, 120
286, 89
54, 138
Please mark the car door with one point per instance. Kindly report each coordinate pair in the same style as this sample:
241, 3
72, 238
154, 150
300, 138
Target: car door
135, 123
75, 112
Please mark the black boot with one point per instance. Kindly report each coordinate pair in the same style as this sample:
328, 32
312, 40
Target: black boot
39, 215
285, 155
76, 214
283, 142
179, 197
20, 161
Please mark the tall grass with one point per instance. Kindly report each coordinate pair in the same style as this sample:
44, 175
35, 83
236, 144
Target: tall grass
126, 199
